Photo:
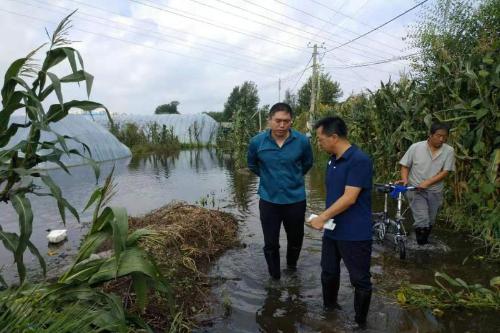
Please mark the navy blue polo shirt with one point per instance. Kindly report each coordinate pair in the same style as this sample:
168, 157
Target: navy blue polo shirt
281, 169
353, 168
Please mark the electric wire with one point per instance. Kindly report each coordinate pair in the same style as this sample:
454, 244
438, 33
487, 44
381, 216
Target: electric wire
147, 32
139, 44
377, 27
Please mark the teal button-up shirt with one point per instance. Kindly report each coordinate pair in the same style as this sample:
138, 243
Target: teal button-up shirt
281, 170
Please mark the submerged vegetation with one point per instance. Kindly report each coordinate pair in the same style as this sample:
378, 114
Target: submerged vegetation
147, 139
450, 293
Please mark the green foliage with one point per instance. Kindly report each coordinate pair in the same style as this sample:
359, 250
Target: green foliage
291, 99
26, 310
217, 116
151, 137
110, 224
20, 161
242, 110
170, 108
462, 90
244, 98
329, 92
450, 293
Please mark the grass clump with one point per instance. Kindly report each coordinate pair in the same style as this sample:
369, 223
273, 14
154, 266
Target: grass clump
191, 238
450, 293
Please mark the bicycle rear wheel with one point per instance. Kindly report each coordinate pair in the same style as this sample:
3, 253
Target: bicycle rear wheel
401, 248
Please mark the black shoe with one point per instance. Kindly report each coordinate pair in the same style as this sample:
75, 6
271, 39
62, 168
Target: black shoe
361, 306
330, 286
273, 263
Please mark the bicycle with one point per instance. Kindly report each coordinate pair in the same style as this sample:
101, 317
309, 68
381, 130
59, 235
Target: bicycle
383, 224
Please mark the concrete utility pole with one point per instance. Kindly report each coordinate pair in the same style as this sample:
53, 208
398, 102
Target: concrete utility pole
279, 89
314, 91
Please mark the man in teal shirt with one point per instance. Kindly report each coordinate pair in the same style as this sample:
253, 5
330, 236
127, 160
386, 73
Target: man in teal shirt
281, 157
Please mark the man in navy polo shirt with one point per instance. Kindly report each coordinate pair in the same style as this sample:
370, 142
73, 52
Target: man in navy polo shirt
348, 202
281, 157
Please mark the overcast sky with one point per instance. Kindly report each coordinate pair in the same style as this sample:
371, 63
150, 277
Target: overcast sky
144, 53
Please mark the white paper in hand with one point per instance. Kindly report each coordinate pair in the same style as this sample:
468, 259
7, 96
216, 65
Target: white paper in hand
330, 225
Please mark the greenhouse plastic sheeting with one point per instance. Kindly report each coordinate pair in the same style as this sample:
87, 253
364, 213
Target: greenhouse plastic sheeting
103, 145
183, 124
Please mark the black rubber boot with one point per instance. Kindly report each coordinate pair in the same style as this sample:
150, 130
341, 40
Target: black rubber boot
361, 306
273, 263
419, 234
425, 235
292, 256
330, 285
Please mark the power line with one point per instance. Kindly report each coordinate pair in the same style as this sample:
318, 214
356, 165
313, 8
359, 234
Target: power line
139, 44
331, 19
251, 20
378, 27
158, 25
323, 20
314, 27
203, 21
385, 61
178, 12
300, 77
351, 17
146, 32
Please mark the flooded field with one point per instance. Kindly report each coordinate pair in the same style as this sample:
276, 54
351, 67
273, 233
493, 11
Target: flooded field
243, 298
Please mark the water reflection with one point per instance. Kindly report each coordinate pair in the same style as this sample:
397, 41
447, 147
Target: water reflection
280, 305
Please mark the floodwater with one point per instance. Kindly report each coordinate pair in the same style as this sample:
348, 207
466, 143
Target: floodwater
243, 298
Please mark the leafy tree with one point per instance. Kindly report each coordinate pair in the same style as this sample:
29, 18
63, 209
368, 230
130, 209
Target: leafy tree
170, 108
217, 116
245, 98
291, 99
452, 30
329, 92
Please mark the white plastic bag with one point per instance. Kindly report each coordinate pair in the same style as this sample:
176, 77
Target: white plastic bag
329, 225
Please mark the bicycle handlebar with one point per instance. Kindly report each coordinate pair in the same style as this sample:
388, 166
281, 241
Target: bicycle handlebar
390, 186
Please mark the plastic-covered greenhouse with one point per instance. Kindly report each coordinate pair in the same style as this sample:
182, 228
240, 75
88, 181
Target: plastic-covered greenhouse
189, 128
102, 144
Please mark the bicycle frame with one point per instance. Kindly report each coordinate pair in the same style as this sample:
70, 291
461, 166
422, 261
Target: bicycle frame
382, 222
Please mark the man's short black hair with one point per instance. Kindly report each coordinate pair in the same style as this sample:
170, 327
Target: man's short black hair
439, 126
332, 125
280, 107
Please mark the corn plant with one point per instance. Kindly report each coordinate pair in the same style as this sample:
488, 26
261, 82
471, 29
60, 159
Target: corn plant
451, 293
110, 224
26, 87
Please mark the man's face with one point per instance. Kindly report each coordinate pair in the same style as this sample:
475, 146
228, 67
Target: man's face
325, 142
280, 123
439, 137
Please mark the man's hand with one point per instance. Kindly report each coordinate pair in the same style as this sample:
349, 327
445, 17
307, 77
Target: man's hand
423, 185
318, 222
402, 181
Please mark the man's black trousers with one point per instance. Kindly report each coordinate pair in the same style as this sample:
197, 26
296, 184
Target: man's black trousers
271, 217
356, 256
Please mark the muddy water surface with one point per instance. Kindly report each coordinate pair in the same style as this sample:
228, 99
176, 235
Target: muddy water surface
244, 299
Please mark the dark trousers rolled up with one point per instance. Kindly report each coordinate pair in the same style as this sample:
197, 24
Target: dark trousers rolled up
292, 217
357, 257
